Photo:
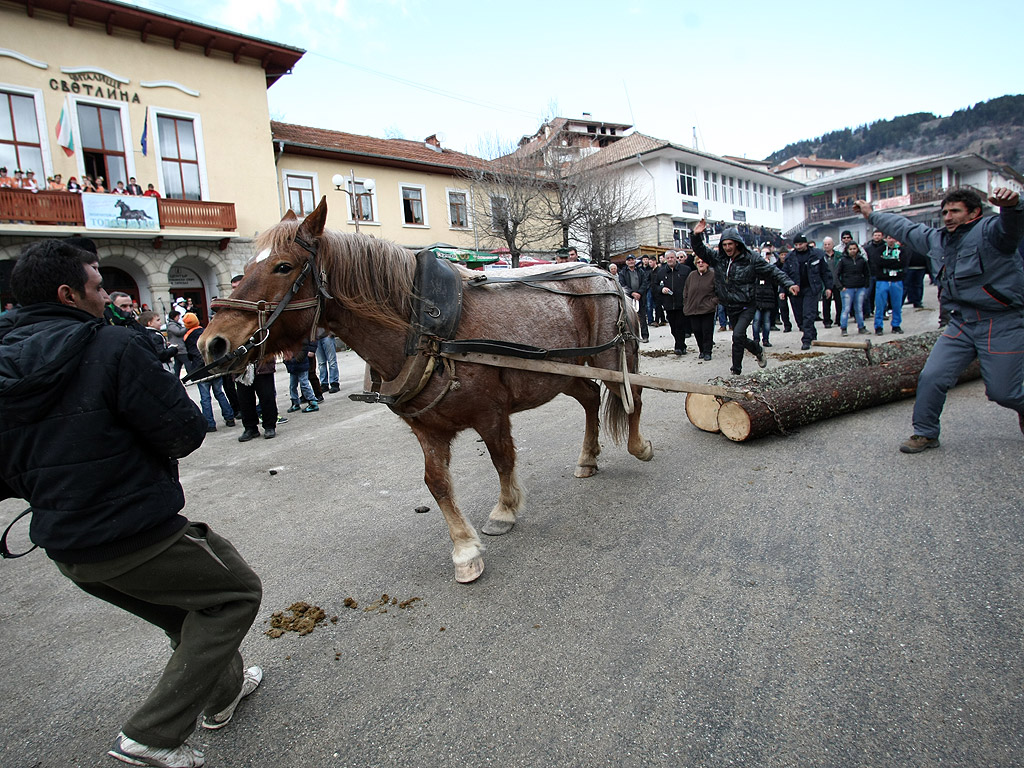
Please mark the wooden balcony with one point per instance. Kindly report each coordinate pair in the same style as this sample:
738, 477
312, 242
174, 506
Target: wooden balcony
65, 208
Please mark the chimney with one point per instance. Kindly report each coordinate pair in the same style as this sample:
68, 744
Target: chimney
433, 141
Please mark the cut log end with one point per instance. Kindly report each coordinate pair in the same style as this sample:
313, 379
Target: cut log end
702, 411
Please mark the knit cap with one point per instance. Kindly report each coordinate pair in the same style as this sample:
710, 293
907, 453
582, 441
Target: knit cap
190, 320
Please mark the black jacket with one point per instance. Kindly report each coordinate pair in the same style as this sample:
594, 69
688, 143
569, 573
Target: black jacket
819, 275
735, 279
675, 281
853, 273
643, 281
91, 427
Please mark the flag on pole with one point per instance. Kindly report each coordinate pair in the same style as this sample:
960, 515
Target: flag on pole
145, 134
64, 137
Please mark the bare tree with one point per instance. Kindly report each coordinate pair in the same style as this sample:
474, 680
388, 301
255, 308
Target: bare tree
607, 203
509, 200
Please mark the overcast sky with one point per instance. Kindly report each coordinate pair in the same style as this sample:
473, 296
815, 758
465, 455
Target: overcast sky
749, 75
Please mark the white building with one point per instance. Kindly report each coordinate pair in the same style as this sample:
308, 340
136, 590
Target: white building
680, 186
912, 187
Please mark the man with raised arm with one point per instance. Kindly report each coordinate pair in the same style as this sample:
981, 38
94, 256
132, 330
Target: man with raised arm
982, 282
736, 273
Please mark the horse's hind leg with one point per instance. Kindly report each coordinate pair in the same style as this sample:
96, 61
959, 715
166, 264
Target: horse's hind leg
588, 394
637, 445
467, 549
497, 436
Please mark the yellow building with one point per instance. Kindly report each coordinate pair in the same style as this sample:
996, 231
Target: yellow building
414, 193
100, 89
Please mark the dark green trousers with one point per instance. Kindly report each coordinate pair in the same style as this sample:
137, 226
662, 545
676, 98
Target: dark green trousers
205, 597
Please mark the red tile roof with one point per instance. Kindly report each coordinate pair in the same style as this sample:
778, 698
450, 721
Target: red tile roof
813, 162
371, 148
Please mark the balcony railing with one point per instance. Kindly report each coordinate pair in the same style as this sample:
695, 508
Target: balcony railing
51, 207
839, 212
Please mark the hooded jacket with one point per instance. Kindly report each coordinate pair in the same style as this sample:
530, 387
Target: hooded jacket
736, 278
91, 427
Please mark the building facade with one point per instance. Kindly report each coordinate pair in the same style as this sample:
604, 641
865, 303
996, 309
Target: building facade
680, 186
101, 89
913, 187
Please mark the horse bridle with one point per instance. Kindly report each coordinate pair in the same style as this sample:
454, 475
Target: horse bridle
268, 312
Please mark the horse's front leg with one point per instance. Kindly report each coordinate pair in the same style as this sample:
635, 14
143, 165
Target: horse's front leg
497, 436
588, 394
467, 549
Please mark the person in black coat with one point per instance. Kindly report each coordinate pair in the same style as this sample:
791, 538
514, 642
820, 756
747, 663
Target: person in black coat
636, 284
736, 273
808, 268
91, 428
671, 280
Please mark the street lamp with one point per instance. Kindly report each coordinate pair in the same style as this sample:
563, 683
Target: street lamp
339, 182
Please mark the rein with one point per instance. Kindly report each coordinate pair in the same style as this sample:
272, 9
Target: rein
268, 312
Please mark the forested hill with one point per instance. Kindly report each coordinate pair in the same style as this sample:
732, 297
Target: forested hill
994, 129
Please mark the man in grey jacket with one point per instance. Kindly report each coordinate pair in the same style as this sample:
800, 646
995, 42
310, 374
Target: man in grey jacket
982, 283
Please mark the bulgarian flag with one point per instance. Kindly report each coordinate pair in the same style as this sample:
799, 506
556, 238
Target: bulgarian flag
64, 137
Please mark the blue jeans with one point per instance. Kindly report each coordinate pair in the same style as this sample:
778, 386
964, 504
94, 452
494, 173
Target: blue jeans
762, 324
327, 357
300, 381
723, 320
222, 399
891, 292
855, 297
913, 285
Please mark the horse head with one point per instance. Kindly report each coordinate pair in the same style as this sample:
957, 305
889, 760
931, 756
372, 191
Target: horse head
285, 258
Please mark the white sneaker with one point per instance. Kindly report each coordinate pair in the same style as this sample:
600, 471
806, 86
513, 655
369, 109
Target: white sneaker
132, 752
251, 679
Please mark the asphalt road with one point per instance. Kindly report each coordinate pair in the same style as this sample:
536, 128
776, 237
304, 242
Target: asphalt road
813, 600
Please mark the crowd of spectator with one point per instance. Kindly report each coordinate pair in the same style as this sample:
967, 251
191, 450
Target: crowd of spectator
27, 181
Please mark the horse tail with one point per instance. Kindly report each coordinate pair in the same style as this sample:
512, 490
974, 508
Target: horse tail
616, 421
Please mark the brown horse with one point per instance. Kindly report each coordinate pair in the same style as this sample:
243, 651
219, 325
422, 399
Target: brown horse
370, 284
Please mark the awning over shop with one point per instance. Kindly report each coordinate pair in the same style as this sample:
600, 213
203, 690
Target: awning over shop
464, 256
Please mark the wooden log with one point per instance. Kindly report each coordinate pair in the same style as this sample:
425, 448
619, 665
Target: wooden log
702, 411
780, 410
831, 364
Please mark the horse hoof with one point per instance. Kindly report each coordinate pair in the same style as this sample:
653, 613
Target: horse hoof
585, 471
647, 453
497, 527
470, 571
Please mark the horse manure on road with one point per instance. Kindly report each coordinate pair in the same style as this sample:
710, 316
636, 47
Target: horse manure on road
381, 605
304, 618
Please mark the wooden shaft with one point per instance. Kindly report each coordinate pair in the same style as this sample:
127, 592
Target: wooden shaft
590, 372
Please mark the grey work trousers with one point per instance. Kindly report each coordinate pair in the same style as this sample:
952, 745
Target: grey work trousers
205, 597
997, 342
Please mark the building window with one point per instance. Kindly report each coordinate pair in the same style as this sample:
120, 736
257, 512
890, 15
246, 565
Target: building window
707, 185
102, 144
458, 209
848, 195
686, 179
924, 181
883, 189
412, 206
179, 157
20, 145
746, 195
300, 194
362, 207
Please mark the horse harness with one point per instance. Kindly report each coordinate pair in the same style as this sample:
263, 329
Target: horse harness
436, 311
268, 312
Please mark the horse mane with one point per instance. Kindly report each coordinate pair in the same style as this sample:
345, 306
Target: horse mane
373, 278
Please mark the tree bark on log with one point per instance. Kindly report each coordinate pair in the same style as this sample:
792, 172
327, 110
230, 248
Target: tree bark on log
834, 363
780, 410
703, 410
